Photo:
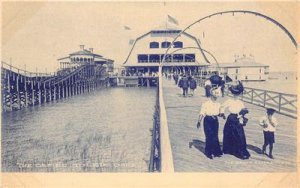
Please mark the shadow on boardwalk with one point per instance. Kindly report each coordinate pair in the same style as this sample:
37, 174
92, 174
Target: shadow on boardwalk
188, 142
200, 145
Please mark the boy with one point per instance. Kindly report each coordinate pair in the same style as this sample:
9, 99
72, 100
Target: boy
269, 124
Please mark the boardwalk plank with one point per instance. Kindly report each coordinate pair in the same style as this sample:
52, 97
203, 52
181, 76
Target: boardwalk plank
182, 115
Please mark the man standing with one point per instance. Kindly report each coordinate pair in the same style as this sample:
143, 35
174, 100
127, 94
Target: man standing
184, 84
193, 85
207, 86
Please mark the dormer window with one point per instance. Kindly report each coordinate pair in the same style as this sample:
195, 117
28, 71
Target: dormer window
178, 44
165, 44
154, 45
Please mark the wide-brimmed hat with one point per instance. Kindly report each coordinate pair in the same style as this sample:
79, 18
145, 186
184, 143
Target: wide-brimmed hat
215, 80
270, 110
236, 88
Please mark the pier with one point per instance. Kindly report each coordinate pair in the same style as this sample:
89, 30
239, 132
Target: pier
188, 142
21, 88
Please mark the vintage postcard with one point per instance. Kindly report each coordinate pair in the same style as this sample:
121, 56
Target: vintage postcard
149, 94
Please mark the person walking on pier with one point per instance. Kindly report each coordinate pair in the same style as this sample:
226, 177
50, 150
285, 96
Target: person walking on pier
269, 123
210, 110
207, 86
184, 84
222, 87
193, 85
234, 139
175, 77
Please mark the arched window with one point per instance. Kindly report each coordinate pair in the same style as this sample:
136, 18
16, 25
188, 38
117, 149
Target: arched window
85, 60
165, 44
77, 59
142, 58
154, 45
178, 44
81, 59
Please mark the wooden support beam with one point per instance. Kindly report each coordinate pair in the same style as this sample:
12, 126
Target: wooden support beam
39, 93
18, 92
32, 93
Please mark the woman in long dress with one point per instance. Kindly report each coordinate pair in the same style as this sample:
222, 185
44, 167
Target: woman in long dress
234, 139
210, 111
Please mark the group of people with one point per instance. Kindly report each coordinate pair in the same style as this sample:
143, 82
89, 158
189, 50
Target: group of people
208, 86
186, 83
234, 138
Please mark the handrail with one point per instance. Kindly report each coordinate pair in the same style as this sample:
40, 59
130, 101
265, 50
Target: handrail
275, 92
276, 100
284, 103
10, 67
165, 145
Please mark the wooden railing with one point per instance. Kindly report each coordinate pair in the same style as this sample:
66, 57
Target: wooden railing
155, 157
12, 68
283, 103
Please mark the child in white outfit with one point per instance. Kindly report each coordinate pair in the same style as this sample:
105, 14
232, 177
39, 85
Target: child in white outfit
269, 124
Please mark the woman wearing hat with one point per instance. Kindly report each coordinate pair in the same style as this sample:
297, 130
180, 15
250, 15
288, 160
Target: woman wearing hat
234, 139
210, 111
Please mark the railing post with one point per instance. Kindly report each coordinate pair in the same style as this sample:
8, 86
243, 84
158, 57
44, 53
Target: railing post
279, 102
265, 96
252, 91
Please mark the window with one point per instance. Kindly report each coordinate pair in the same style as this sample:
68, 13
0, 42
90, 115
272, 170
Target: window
189, 57
178, 44
246, 77
178, 57
154, 45
236, 70
142, 58
168, 57
165, 44
154, 58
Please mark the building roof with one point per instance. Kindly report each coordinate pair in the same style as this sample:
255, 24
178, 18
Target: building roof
63, 58
85, 52
165, 64
245, 62
167, 31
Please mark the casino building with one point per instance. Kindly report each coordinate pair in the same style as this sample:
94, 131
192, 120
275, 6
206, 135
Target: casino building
148, 50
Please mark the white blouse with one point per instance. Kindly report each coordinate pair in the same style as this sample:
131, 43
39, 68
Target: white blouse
267, 126
210, 108
234, 106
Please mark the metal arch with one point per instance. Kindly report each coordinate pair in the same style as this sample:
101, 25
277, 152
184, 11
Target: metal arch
232, 12
253, 13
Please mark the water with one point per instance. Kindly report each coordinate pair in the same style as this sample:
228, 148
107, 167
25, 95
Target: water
278, 85
104, 131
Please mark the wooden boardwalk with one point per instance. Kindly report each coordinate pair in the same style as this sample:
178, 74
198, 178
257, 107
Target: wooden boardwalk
182, 115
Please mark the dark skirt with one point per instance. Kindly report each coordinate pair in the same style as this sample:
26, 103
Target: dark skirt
211, 128
207, 91
269, 137
234, 139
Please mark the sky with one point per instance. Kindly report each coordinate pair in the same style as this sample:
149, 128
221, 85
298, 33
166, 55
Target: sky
36, 34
